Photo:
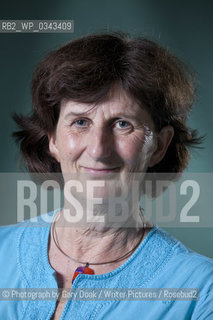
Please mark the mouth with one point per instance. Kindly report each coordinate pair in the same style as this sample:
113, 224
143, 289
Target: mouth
100, 171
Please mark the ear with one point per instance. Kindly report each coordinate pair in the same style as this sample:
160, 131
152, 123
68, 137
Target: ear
163, 141
53, 146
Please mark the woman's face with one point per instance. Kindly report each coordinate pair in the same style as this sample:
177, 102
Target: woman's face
112, 138
111, 144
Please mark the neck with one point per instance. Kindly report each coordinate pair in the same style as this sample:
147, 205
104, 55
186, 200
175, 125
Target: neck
96, 242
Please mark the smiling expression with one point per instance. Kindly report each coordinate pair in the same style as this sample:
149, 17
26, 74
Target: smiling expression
115, 136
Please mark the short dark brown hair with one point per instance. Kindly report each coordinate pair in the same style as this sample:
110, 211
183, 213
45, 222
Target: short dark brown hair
86, 69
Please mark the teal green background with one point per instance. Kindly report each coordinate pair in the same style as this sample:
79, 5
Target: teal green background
185, 27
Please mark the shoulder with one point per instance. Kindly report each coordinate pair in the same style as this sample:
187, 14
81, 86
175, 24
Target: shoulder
182, 253
9, 243
184, 263
17, 240
8, 238
191, 259
185, 268
10, 234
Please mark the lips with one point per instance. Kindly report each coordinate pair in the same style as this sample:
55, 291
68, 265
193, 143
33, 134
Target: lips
100, 171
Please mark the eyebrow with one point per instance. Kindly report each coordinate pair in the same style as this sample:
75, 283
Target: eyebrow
120, 114
73, 113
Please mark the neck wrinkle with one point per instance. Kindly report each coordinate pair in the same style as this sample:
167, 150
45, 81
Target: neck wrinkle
88, 244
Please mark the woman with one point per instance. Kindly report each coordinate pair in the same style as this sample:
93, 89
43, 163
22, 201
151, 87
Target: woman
106, 110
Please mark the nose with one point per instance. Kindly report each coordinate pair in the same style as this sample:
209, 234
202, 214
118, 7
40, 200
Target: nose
100, 144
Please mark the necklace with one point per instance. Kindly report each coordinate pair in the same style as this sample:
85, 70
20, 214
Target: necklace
85, 269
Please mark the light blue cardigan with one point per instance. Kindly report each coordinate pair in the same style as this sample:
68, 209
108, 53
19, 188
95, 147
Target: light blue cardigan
159, 262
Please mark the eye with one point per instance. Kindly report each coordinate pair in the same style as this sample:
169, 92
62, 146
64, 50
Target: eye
122, 124
82, 123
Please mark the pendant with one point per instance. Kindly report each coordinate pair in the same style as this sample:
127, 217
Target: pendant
82, 269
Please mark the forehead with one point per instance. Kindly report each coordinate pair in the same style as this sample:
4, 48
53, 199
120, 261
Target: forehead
117, 103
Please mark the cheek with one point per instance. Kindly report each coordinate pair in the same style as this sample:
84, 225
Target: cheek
136, 150
69, 146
